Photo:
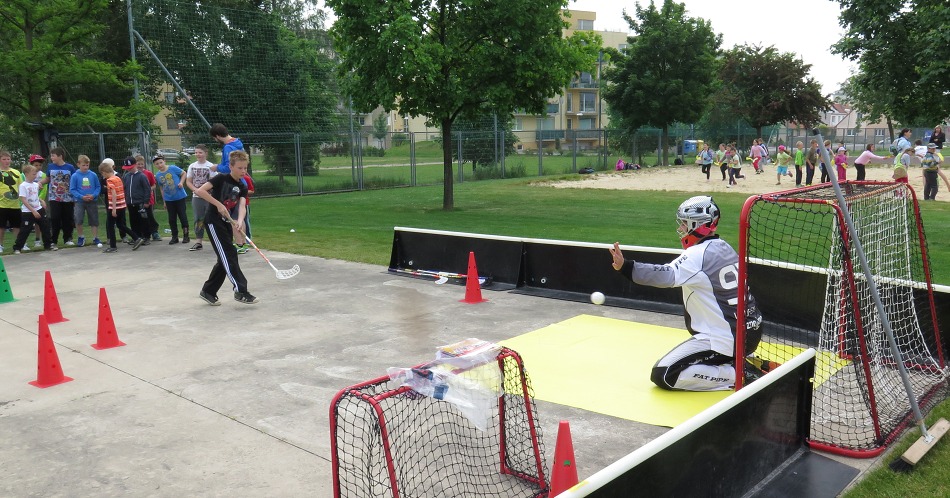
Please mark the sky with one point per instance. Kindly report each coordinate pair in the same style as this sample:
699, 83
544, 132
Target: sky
809, 29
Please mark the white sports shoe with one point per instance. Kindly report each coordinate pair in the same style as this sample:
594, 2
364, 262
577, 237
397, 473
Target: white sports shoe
37, 243
70, 243
26, 248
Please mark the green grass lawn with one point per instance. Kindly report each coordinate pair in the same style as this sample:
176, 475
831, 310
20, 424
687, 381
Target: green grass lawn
358, 226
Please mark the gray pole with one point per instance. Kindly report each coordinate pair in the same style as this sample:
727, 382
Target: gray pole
872, 285
135, 80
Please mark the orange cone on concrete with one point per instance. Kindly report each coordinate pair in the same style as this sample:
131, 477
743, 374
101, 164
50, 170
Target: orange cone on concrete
564, 470
49, 372
51, 309
473, 289
106, 337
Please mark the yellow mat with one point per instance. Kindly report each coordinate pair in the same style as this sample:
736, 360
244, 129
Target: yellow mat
603, 365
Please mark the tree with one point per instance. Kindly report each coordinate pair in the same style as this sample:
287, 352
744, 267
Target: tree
453, 58
381, 128
764, 86
51, 73
667, 72
241, 65
900, 48
869, 101
481, 139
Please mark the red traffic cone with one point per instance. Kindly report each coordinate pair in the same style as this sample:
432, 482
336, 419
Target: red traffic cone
49, 372
107, 337
563, 472
473, 289
51, 307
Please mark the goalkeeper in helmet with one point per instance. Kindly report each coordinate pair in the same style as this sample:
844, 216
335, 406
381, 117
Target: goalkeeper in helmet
707, 271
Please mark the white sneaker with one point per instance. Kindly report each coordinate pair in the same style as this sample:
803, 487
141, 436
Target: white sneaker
1, 248
70, 243
37, 243
26, 248
16, 252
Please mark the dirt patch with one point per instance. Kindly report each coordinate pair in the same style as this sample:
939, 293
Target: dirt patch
690, 179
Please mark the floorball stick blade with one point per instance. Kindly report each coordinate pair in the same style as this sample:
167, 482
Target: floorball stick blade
442, 280
285, 274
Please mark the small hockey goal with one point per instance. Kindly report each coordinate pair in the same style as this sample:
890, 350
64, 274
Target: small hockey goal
799, 261
390, 440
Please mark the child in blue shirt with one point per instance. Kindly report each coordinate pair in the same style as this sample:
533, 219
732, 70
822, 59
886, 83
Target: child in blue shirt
84, 186
171, 180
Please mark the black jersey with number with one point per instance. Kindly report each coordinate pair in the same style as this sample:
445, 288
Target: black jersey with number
227, 191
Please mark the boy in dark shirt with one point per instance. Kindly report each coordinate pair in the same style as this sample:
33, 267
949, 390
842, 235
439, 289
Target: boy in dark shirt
223, 193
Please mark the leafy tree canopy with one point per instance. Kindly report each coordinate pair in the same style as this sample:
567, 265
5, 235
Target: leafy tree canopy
453, 58
667, 72
764, 86
241, 64
900, 47
53, 71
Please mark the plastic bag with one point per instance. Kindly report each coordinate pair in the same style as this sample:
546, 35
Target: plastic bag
465, 374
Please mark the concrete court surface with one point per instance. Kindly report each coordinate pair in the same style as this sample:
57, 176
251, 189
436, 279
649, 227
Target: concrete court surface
234, 400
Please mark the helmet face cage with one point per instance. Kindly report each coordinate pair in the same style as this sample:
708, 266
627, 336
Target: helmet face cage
699, 212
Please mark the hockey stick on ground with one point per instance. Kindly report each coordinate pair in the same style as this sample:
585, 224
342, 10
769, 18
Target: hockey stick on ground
440, 276
281, 274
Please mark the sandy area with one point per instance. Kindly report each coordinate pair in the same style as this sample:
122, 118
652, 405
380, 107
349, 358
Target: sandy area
689, 179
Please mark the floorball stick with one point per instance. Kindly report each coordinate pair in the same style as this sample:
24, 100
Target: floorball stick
440, 276
281, 274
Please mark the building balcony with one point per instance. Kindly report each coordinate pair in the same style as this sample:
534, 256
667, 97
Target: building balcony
590, 85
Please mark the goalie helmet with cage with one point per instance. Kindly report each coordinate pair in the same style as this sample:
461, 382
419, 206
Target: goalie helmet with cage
696, 218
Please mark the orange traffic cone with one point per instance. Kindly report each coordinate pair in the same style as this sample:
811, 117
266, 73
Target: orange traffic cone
51, 307
473, 289
107, 337
49, 372
563, 472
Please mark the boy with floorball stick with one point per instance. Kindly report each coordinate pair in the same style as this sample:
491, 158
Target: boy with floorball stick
224, 192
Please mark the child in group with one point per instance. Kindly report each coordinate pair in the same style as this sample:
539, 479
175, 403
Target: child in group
783, 161
824, 168
811, 161
32, 211
115, 208
60, 201
799, 162
721, 160
10, 180
864, 159
931, 169
150, 207
199, 172
226, 192
171, 180
705, 159
84, 187
841, 164
735, 165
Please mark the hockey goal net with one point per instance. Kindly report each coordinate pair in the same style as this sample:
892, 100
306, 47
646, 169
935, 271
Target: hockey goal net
392, 440
798, 259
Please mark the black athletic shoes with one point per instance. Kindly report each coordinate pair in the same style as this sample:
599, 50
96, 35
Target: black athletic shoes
196, 247
210, 298
245, 297
750, 373
138, 243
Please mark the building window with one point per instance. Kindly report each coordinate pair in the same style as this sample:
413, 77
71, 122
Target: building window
361, 120
570, 124
169, 97
570, 103
405, 124
588, 101
518, 125
585, 24
879, 132
622, 46
585, 79
546, 123
171, 123
552, 108
587, 123
849, 132
834, 119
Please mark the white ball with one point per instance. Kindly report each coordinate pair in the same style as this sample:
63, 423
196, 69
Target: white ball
597, 298
292, 230
99, 245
